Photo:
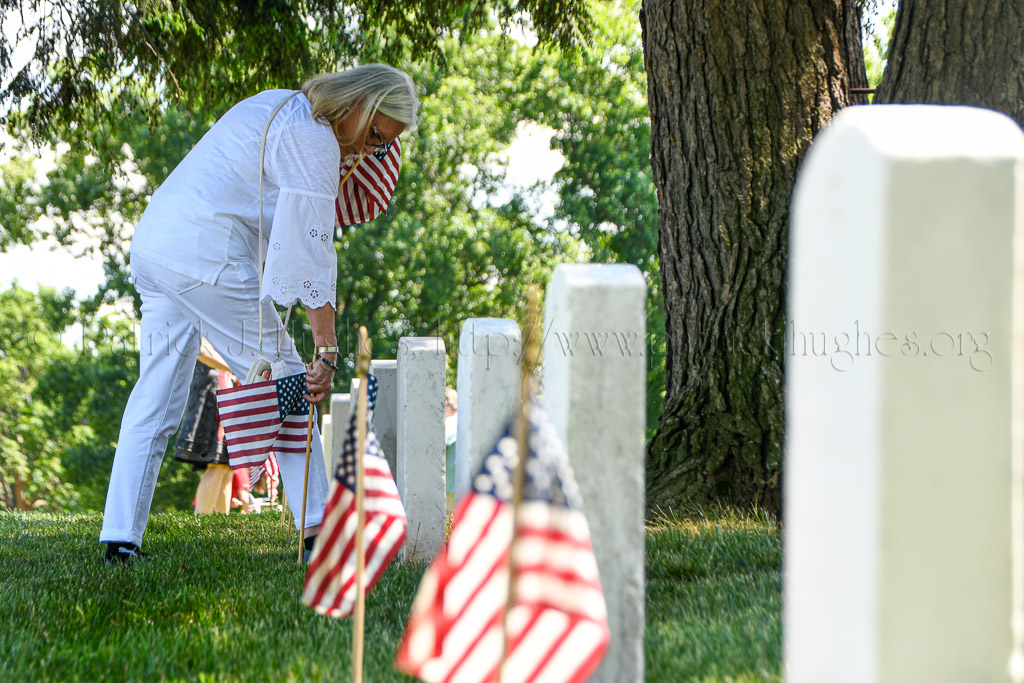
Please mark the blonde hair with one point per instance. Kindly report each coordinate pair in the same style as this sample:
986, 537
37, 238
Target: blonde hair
373, 87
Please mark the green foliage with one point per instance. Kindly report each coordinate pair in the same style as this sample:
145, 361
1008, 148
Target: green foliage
439, 257
876, 47
451, 247
205, 55
204, 609
31, 472
87, 394
60, 408
596, 100
105, 170
16, 226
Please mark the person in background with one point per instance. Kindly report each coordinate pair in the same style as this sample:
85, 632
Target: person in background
200, 441
241, 495
451, 407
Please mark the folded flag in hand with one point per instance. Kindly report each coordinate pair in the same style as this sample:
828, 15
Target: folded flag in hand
557, 628
331, 578
262, 417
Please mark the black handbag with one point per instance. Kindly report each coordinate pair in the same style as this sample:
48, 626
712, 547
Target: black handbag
197, 442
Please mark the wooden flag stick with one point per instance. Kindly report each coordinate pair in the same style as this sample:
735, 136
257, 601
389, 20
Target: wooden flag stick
284, 502
531, 352
362, 372
305, 480
309, 427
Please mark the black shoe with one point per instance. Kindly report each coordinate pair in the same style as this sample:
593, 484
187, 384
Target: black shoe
307, 548
123, 553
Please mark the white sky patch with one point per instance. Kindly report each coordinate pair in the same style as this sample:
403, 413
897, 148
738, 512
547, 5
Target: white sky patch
521, 34
874, 20
74, 335
46, 264
10, 24
530, 157
530, 160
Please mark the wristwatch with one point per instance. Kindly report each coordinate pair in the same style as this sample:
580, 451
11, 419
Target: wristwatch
327, 349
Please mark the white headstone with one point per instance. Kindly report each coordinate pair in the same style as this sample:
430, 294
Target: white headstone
385, 415
325, 438
341, 412
488, 384
419, 470
903, 486
594, 385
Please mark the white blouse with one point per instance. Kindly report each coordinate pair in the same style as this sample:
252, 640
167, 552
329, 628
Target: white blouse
205, 215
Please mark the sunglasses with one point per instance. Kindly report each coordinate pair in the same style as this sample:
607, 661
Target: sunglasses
377, 141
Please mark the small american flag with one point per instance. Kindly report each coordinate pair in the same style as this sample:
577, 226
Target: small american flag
273, 476
558, 626
369, 190
331, 578
261, 417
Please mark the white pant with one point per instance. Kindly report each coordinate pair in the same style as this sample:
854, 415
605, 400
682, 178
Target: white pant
176, 312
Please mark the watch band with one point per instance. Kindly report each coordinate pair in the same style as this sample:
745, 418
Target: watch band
327, 349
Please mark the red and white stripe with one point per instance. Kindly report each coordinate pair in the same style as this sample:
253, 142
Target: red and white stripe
270, 467
273, 477
252, 425
558, 627
330, 580
369, 190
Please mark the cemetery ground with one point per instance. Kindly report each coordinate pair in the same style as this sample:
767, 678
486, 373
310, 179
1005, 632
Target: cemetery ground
219, 600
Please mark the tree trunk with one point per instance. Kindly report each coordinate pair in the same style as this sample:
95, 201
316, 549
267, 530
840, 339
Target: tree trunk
957, 52
20, 501
7, 495
736, 90
853, 48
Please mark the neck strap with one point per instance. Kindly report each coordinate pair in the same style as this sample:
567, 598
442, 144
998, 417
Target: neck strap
259, 265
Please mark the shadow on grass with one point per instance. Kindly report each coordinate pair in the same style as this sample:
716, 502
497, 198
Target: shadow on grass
219, 600
714, 597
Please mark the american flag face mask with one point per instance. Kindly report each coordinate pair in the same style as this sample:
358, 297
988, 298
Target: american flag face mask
368, 192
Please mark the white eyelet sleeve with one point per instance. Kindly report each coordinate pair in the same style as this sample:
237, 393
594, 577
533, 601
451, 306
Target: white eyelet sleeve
301, 263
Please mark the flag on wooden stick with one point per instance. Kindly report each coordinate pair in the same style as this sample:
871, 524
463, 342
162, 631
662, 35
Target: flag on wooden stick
368, 192
273, 472
331, 578
262, 417
557, 628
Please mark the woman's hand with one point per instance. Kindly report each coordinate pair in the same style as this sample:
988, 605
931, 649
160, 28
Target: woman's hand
319, 379
320, 375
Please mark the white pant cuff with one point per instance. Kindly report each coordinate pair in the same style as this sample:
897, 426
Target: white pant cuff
119, 536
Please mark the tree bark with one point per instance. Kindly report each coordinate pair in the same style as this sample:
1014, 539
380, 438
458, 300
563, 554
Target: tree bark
736, 90
853, 48
957, 52
20, 501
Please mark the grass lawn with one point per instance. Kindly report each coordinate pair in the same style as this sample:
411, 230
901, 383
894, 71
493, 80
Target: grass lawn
219, 601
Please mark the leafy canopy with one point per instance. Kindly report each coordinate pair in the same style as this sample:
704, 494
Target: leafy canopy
206, 55
455, 243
